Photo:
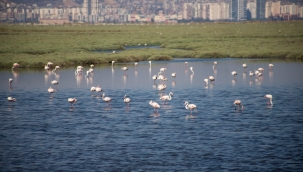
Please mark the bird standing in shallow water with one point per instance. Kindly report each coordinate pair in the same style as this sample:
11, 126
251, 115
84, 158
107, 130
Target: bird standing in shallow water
269, 97
72, 101
93, 89
191, 107
155, 105
174, 75
127, 101
239, 104
51, 91
165, 98
234, 73
10, 100
10, 80
270, 66
192, 70
107, 100
124, 69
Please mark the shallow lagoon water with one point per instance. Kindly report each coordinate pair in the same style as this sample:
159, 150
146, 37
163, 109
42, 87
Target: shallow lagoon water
42, 134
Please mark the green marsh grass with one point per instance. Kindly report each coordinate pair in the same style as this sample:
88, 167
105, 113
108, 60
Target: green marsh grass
70, 45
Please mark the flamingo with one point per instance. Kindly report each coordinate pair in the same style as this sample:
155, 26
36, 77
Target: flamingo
174, 75
10, 80
160, 77
56, 67
259, 74
155, 105
55, 82
91, 66
49, 64
87, 73
215, 63
136, 64
114, 52
244, 66
98, 89
113, 63
269, 97
46, 67
239, 104
124, 69
91, 70
251, 74
191, 107
15, 65
161, 87
186, 63
149, 63
165, 98
154, 78
270, 66
206, 81
256, 72
92, 89
260, 69
163, 70
51, 91
72, 101
127, 101
106, 99
234, 73
211, 78
10, 100
192, 70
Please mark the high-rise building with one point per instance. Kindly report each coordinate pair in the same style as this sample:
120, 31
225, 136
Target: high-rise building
238, 10
261, 9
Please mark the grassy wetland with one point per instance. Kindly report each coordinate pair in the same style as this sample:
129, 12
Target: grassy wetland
70, 45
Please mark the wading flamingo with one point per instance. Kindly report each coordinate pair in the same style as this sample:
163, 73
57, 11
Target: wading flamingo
269, 97
211, 78
215, 63
155, 105
72, 101
98, 89
55, 82
192, 70
251, 74
51, 91
113, 63
191, 107
165, 98
107, 100
127, 101
234, 73
15, 65
161, 87
174, 75
206, 81
124, 69
270, 66
154, 78
10, 80
239, 104
10, 100
92, 89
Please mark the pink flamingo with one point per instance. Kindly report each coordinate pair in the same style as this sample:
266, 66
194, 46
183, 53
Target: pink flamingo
107, 100
174, 75
124, 69
269, 97
191, 107
93, 89
239, 104
165, 98
211, 78
51, 91
72, 101
270, 66
10, 100
10, 80
234, 73
155, 105
127, 101
15, 65
98, 89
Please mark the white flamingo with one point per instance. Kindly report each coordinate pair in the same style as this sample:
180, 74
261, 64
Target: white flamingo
269, 97
191, 107
215, 63
256, 72
155, 105
211, 78
174, 75
192, 70
55, 82
107, 100
162, 70
251, 74
49, 64
154, 78
15, 65
206, 81
165, 98
56, 67
87, 73
259, 74
127, 101
92, 89
234, 73
136, 64
239, 104
113, 63
270, 66
51, 91
46, 67
10, 100
149, 63
124, 69
260, 69
10, 80
98, 89
244, 65
72, 101
161, 87
91, 70
92, 66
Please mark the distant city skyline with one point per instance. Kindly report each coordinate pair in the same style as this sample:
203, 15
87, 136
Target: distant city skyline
164, 11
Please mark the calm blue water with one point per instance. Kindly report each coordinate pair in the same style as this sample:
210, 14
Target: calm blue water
42, 134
